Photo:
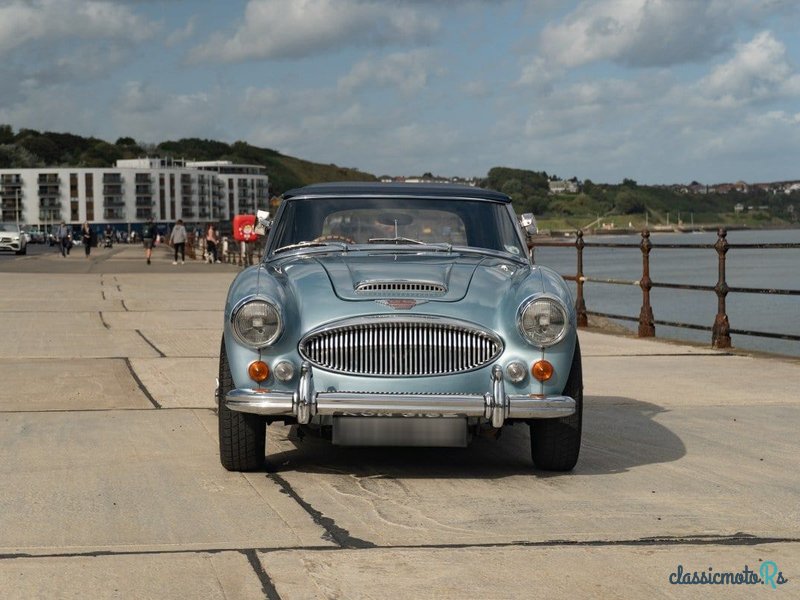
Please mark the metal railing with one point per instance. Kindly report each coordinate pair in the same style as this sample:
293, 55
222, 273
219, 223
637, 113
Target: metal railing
720, 331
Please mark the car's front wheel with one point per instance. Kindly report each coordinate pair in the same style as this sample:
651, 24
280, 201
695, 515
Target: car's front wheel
242, 436
556, 443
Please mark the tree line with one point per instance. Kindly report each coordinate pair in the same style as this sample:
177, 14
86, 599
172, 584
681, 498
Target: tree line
529, 190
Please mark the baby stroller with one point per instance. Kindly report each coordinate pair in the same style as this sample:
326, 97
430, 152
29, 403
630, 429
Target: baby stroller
107, 241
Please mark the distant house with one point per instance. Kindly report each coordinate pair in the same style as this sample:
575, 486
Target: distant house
738, 207
561, 186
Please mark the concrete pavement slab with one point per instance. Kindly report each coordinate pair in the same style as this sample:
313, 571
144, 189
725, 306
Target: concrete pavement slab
595, 343
715, 380
179, 382
608, 572
163, 576
70, 384
133, 481
644, 471
168, 320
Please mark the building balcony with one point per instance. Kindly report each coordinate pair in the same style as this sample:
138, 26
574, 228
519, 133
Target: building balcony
143, 178
49, 204
11, 204
142, 190
112, 178
51, 178
113, 202
113, 214
14, 180
144, 202
112, 190
50, 215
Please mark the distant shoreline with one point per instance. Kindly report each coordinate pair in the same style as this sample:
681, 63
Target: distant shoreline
711, 228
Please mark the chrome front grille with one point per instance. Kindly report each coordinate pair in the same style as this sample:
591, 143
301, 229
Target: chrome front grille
398, 347
417, 287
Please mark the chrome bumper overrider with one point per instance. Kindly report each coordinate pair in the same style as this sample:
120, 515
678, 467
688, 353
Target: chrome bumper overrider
305, 403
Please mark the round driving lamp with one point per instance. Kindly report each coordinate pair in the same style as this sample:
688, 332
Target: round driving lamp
284, 371
515, 371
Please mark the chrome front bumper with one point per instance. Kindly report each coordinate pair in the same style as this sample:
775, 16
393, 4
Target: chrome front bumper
305, 403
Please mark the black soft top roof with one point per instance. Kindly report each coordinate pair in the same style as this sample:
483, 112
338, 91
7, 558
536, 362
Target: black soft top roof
435, 190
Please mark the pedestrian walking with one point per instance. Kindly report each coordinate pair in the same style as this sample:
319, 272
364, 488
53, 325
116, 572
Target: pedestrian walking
87, 238
211, 244
64, 239
148, 233
178, 240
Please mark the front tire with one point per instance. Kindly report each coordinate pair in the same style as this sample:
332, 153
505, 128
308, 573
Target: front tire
556, 443
242, 436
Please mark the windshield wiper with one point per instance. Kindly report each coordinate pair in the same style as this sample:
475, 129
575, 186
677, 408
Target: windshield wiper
395, 240
341, 245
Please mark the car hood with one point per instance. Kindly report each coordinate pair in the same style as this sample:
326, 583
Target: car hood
368, 276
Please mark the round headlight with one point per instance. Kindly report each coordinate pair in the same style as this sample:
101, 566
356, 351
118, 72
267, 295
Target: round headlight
257, 323
543, 321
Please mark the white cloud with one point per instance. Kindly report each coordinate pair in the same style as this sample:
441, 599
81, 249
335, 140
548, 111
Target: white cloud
648, 33
758, 71
151, 114
181, 35
278, 29
48, 21
407, 71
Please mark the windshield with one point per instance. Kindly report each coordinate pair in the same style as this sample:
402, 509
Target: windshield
8, 227
397, 221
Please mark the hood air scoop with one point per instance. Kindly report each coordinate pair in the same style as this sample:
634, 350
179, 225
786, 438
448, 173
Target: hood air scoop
401, 287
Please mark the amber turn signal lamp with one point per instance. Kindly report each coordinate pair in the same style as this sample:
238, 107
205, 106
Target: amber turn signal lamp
542, 370
258, 370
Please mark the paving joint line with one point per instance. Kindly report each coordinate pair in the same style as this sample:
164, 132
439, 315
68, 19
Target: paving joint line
141, 385
737, 540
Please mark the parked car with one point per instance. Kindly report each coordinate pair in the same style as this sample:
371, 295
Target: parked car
12, 238
399, 314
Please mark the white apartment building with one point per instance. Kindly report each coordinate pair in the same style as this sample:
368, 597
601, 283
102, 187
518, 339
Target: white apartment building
133, 191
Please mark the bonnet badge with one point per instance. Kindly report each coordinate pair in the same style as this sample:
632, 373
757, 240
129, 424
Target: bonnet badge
400, 303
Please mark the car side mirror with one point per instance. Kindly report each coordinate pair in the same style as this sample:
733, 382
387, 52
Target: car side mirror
263, 222
528, 223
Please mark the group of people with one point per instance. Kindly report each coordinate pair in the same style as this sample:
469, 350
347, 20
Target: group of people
178, 238
65, 239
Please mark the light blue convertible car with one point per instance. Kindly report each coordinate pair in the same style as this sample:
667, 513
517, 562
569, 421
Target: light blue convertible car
399, 314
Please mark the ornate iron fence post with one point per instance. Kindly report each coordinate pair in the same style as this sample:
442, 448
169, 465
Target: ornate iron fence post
580, 305
647, 326
721, 333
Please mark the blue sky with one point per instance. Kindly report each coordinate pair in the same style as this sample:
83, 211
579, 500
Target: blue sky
660, 91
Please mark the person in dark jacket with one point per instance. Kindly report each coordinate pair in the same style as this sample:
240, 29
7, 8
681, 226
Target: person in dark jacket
87, 237
148, 235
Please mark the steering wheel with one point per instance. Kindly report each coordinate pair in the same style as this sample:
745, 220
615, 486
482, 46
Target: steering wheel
334, 238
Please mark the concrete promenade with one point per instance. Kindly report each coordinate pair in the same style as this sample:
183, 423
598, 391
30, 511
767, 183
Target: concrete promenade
111, 487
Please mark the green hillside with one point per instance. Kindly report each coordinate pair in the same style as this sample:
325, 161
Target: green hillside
29, 148
595, 204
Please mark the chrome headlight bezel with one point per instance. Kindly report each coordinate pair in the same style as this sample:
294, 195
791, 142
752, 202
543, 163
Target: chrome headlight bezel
553, 301
236, 326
